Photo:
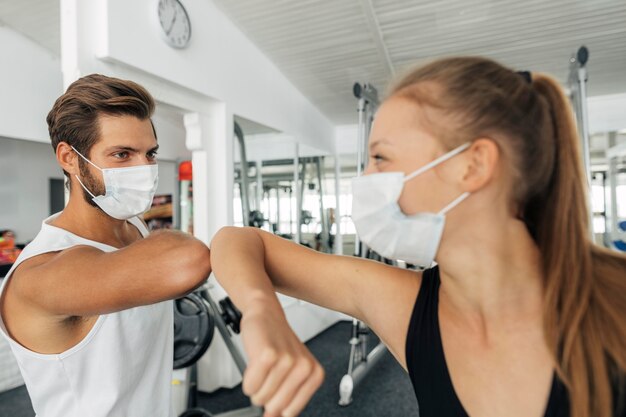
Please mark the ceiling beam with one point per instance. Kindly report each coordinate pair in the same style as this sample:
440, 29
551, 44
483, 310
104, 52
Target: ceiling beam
374, 26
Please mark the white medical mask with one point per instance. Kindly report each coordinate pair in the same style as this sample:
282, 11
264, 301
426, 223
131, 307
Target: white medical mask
128, 191
381, 224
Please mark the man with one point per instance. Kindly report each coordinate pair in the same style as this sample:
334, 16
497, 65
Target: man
84, 305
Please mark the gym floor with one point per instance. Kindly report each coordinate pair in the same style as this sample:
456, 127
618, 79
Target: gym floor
386, 391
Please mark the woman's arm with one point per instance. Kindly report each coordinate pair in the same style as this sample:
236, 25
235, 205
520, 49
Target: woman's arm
251, 265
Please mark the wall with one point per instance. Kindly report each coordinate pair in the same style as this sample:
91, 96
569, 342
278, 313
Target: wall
220, 62
273, 146
170, 129
30, 81
122, 38
25, 170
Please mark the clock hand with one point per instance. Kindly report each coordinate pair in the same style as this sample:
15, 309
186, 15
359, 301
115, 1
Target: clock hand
172, 24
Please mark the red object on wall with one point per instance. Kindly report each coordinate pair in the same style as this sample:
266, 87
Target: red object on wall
185, 171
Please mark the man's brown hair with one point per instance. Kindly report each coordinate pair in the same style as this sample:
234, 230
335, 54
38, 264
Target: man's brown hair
74, 116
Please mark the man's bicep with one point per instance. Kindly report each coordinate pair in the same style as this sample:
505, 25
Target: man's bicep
54, 281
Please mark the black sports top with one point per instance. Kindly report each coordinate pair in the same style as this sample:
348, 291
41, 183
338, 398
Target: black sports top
427, 364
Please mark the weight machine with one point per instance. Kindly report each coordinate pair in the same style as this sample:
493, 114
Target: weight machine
361, 362
577, 83
615, 234
196, 316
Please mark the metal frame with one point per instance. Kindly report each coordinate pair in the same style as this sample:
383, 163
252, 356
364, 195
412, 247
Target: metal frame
360, 362
614, 155
244, 187
577, 81
235, 353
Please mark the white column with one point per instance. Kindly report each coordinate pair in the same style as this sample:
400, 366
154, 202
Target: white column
209, 137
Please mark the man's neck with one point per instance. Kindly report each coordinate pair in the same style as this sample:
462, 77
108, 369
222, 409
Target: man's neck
92, 223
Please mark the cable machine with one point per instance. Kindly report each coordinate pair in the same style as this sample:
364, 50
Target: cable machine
361, 362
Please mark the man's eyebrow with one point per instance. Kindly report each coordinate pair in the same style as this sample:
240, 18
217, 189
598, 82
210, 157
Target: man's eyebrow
129, 148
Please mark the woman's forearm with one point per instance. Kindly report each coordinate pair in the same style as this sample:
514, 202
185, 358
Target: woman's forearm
238, 262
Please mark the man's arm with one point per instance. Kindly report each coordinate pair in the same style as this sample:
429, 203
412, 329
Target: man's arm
85, 281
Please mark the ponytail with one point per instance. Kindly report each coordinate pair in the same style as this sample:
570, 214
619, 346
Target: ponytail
585, 285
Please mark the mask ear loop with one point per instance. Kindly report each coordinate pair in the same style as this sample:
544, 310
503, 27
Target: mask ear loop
455, 203
83, 185
437, 161
81, 155
79, 181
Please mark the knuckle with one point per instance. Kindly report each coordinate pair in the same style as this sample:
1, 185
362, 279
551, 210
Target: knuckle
268, 357
287, 361
272, 409
304, 367
319, 374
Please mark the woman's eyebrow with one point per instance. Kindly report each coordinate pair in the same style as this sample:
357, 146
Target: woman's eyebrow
379, 142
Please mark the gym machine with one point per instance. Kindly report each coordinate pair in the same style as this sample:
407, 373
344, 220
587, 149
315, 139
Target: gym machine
312, 168
308, 175
615, 235
196, 316
361, 362
250, 217
577, 83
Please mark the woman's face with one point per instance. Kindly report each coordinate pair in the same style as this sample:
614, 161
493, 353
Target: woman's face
399, 142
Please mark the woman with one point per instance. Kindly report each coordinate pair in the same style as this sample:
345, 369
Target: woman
523, 316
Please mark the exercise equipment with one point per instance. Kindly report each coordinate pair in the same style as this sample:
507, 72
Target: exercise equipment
361, 362
231, 315
577, 83
199, 312
244, 187
193, 329
615, 227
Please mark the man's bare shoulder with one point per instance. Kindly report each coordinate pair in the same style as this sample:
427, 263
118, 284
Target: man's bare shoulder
23, 277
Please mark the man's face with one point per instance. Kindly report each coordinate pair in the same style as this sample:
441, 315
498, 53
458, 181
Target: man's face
125, 141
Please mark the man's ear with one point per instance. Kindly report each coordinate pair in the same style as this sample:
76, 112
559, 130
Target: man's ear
481, 162
67, 158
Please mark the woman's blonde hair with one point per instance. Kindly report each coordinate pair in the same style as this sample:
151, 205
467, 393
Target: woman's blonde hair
585, 285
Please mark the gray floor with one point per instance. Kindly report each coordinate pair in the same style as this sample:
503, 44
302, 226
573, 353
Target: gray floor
386, 392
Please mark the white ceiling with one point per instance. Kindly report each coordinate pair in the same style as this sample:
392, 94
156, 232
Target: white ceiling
37, 19
324, 46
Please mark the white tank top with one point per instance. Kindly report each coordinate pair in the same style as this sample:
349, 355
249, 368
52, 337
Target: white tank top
122, 368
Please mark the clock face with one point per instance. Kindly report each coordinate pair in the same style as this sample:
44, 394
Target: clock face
175, 24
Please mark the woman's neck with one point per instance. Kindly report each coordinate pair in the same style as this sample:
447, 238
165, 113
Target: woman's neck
491, 271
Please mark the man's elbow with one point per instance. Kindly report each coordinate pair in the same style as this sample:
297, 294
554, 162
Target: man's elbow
195, 265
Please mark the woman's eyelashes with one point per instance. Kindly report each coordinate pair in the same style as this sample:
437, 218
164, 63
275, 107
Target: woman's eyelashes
378, 158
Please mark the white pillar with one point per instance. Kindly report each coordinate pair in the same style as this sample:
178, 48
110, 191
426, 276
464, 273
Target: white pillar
209, 137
